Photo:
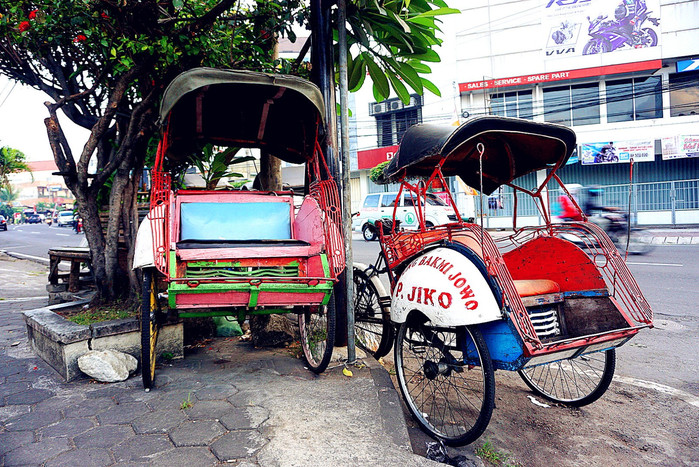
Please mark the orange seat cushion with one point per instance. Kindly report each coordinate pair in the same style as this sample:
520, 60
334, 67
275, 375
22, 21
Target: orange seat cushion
531, 287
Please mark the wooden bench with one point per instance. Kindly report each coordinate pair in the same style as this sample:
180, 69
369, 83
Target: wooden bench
76, 256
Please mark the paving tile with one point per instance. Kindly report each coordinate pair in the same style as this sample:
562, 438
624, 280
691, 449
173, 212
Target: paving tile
216, 392
37, 453
245, 418
103, 436
171, 400
208, 410
185, 456
68, 428
159, 421
90, 457
8, 389
30, 396
122, 413
12, 411
89, 408
141, 448
671, 240
238, 445
10, 441
196, 433
33, 420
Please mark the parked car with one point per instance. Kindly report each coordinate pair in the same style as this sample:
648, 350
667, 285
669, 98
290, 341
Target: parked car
65, 218
33, 219
3, 223
380, 205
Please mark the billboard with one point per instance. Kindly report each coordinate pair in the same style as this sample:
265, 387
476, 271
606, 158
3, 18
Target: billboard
589, 27
677, 147
616, 152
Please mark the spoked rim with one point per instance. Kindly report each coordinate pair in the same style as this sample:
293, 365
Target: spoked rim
317, 330
151, 321
575, 382
446, 378
372, 326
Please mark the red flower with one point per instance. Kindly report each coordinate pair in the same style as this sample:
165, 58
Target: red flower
80, 38
104, 15
32, 14
23, 26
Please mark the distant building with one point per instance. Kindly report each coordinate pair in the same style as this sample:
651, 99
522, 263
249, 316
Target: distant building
44, 187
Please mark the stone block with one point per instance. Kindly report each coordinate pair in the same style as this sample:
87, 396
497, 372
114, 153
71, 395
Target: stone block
60, 342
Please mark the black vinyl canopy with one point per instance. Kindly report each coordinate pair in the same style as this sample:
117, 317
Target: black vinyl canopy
513, 148
279, 113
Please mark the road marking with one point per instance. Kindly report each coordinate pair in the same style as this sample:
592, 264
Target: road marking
685, 396
35, 233
677, 265
63, 235
23, 299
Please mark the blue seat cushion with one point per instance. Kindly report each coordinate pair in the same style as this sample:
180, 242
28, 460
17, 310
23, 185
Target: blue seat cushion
235, 221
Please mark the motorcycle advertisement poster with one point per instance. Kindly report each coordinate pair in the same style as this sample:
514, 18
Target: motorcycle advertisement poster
678, 147
618, 151
589, 27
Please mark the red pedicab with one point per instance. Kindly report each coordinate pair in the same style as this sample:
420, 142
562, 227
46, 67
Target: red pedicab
465, 303
238, 253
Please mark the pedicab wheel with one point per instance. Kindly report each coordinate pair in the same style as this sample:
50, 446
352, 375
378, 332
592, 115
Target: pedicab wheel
574, 382
317, 329
373, 330
446, 378
151, 320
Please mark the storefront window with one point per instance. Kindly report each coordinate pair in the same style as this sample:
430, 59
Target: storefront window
512, 104
577, 105
634, 99
684, 94
557, 105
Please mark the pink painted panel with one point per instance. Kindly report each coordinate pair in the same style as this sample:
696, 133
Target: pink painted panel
276, 298
308, 225
194, 300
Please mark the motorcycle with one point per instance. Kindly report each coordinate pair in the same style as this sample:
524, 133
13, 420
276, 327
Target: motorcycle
606, 155
608, 36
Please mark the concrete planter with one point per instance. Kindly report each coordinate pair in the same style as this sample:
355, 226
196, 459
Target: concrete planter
60, 342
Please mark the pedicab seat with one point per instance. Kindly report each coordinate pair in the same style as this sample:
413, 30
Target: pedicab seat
531, 287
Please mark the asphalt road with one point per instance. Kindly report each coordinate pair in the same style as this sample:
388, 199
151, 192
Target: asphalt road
36, 239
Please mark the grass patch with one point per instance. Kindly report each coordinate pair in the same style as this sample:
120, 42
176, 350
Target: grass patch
187, 403
96, 314
491, 455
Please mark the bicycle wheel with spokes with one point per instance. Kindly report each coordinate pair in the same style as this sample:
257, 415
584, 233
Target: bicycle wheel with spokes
574, 382
373, 330
152, 319
446, 378
317, 330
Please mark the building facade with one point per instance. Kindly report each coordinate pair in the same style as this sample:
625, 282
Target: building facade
623, 74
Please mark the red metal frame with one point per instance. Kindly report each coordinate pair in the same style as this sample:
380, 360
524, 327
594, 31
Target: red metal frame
602, 257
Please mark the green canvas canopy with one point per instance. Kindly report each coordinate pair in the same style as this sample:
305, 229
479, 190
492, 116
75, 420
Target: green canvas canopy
281, 114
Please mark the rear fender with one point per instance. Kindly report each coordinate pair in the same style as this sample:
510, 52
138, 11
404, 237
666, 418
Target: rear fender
446, 286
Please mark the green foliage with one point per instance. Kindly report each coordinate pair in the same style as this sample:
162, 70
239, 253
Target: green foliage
376, 172
213, 163
391, 41
117, 310
493, 456
8, 194
11, 161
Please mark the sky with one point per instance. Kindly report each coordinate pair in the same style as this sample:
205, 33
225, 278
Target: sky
22, 114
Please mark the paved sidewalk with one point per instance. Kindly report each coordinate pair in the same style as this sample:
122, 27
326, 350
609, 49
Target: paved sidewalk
226, 402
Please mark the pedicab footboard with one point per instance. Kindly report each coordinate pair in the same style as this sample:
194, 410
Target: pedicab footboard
247, 278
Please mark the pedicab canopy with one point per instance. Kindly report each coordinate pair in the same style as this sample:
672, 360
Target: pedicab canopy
513, 148
279, 113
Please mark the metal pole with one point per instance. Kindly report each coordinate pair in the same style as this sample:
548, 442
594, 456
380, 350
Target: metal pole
346, 195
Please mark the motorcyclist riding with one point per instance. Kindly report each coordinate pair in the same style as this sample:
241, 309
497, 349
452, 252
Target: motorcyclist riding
627, 13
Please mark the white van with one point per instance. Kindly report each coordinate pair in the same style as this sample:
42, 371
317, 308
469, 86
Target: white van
380, 205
